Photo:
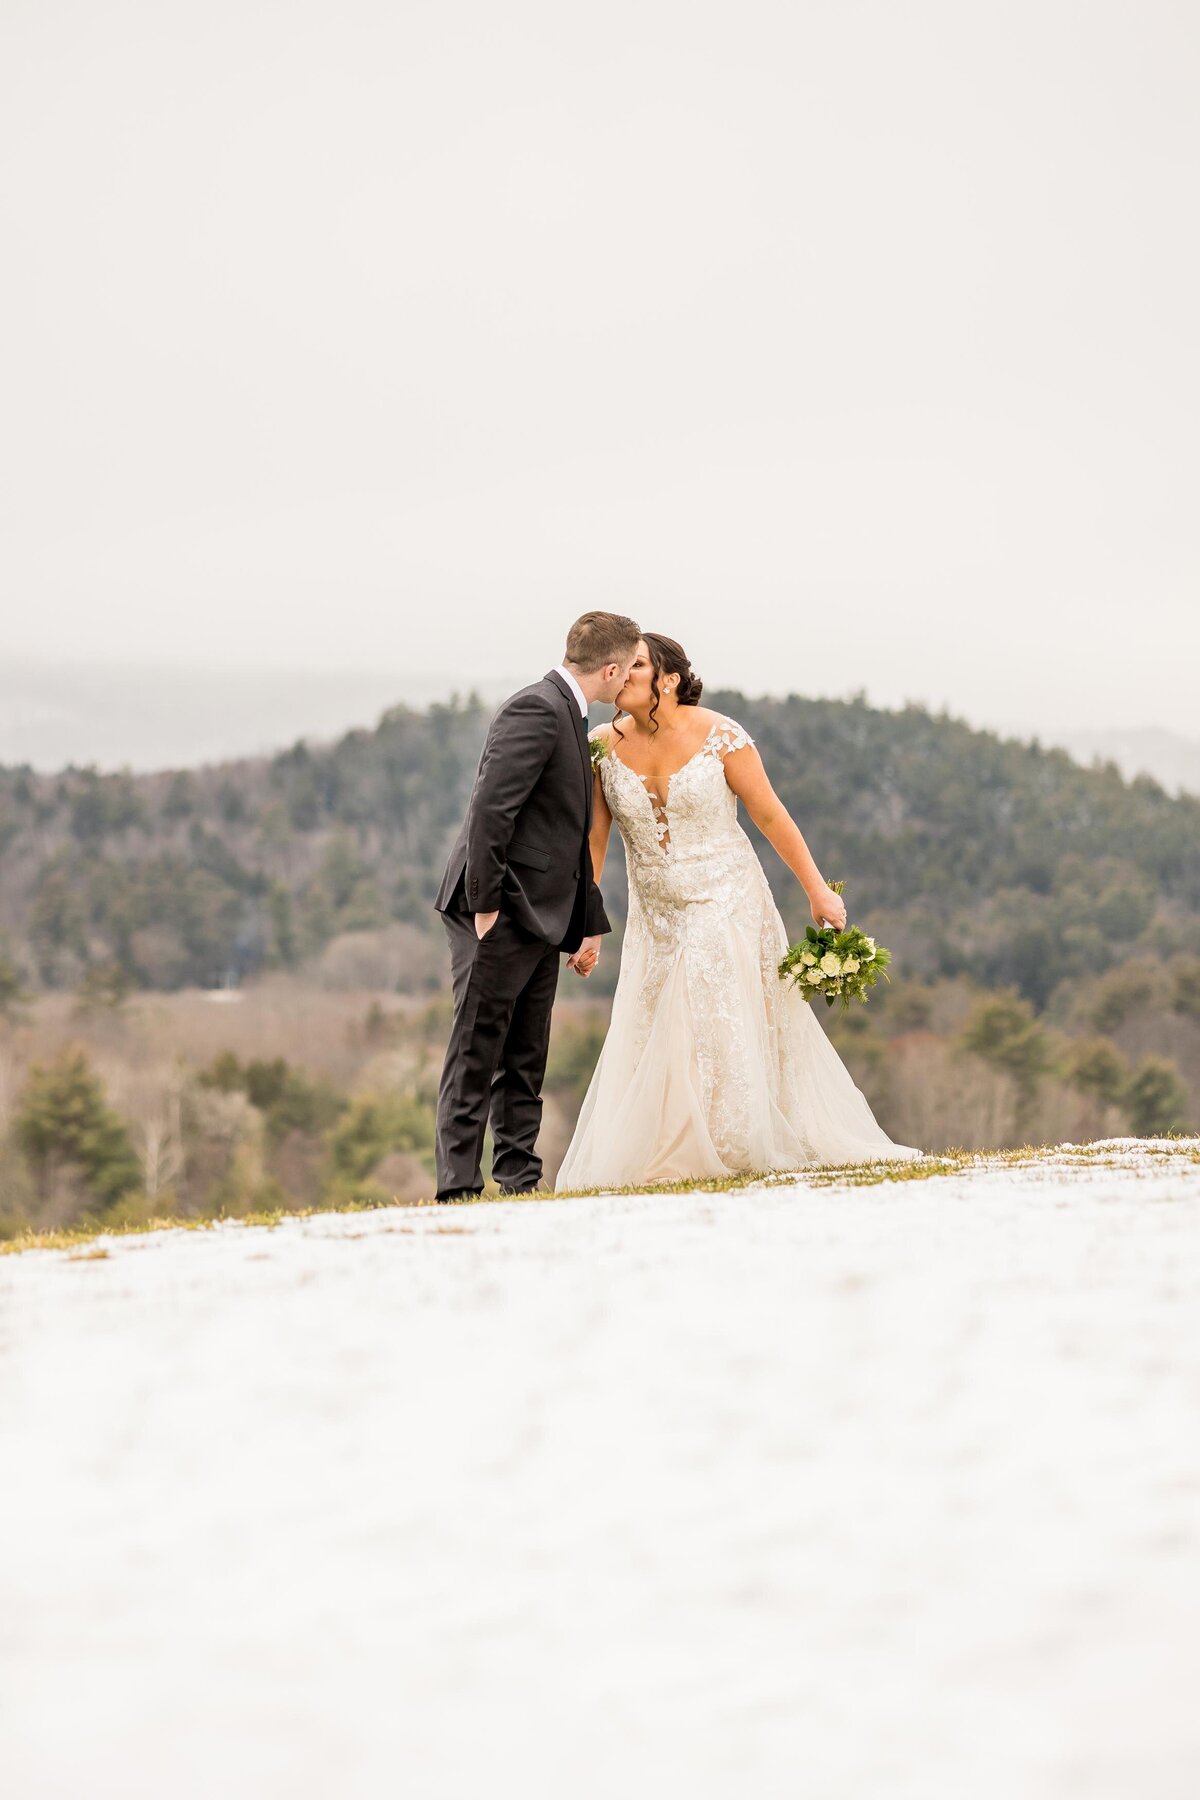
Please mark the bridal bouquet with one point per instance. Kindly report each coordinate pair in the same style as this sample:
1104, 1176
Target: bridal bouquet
840, 965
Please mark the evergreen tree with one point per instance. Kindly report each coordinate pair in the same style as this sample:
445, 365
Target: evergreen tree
62, 1117
104, 988
1185, 996
1005, 1033
283, 926
1157, 1099
1097, 1067
376, 1124
181, 797
13, 993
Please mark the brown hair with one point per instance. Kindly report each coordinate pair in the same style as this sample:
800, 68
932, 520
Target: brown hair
669, 658
601, 637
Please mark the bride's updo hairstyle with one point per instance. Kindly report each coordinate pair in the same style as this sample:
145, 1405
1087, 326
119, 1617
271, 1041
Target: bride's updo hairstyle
669, 658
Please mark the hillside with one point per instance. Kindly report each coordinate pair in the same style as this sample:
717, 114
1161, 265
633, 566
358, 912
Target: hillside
969, 853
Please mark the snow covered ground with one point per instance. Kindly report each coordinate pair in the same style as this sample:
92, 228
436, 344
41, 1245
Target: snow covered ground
889, 1492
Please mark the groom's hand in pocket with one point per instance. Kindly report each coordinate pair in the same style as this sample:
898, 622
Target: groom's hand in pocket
484, 923
584, 960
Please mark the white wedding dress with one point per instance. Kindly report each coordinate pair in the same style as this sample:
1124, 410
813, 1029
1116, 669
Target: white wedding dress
712, 1065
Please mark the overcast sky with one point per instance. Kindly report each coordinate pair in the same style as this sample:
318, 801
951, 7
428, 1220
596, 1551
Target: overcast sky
852, 343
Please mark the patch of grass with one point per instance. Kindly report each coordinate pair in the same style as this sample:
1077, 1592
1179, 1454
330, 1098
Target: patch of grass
874, 1174
1181, 1150
1170, 1143
86, 1233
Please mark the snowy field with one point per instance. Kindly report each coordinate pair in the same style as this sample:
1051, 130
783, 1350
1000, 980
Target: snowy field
885, 1492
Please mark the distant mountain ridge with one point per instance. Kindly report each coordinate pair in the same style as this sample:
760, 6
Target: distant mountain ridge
1167, 757
149, 719
53, 715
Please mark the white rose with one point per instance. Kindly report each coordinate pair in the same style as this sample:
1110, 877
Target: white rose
871, 942
831, 964
850, 966
808, 959
814, 976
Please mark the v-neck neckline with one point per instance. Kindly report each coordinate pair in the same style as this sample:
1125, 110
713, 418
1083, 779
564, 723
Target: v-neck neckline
659, 815
670, 778
674, 772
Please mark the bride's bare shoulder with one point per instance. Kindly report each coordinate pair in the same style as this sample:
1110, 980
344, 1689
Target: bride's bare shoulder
708, 722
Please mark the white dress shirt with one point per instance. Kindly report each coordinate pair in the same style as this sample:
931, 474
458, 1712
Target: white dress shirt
575, 688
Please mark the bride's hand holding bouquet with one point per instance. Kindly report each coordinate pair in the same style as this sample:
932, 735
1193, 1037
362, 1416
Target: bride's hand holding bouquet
834, 960
828, 907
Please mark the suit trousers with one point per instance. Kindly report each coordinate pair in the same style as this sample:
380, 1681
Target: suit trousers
504, 986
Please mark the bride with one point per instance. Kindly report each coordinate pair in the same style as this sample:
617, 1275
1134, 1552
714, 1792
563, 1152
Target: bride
712, 1065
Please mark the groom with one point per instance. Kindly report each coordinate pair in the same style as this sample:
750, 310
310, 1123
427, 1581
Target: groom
517, 889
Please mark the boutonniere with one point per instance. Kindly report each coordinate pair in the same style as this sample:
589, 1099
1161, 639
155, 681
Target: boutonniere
597, 750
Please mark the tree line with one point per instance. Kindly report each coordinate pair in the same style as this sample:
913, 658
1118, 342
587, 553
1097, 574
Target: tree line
969, 854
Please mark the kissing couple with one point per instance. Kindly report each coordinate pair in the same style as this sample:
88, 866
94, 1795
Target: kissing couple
712, 1066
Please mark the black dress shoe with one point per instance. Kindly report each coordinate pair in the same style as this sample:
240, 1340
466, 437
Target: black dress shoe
453, 1199
512, 1193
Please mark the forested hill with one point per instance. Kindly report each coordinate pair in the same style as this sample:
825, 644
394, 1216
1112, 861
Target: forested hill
965, 852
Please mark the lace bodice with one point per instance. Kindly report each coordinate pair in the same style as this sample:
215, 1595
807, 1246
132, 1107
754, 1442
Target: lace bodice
696, 811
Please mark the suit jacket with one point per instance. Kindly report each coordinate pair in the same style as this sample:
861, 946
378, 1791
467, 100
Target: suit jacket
523, 848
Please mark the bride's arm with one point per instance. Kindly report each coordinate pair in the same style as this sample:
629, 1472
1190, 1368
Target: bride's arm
601, 827
746, 776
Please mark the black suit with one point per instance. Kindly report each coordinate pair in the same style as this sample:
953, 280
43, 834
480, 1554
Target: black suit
523, 852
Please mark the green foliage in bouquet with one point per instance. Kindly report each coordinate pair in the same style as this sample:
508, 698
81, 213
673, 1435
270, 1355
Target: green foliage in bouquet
838, 965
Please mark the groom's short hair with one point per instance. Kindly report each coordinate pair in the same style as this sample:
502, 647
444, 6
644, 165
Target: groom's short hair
598, 638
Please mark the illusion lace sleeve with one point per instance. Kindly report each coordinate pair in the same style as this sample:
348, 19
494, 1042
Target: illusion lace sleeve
726, 735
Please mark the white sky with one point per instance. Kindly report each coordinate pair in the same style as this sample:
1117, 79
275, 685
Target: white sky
391, 335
